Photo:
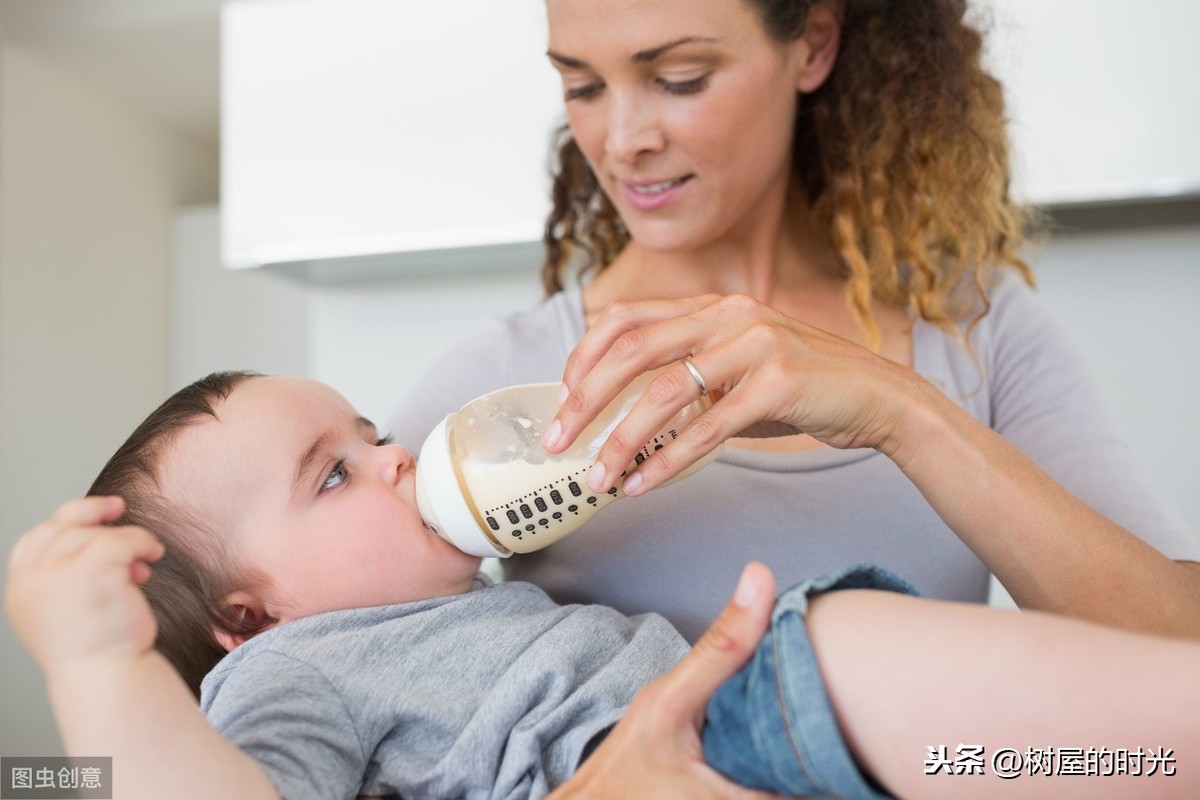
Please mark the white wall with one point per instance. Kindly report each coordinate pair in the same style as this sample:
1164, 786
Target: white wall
1129, 297
87, 192
221, 319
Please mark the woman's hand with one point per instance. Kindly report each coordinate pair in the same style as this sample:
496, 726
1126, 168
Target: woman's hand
73, 584
760, 365
655, 751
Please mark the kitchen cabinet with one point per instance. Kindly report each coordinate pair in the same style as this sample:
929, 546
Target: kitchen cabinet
364, 136
1104, 98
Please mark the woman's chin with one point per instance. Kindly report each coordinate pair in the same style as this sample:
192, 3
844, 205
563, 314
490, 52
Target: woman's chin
663, 236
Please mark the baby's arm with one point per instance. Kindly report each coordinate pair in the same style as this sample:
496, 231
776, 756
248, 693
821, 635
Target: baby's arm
74, 601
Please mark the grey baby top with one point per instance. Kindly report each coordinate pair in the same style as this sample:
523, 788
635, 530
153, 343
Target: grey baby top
804, 514
489, 694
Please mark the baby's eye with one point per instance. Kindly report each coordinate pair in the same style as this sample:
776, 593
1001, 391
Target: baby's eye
384, 440
336, 476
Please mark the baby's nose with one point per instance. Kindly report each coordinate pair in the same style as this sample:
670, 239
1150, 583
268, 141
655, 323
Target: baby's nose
397, 460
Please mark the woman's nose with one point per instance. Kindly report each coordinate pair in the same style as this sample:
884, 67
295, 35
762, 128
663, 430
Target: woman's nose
633, 130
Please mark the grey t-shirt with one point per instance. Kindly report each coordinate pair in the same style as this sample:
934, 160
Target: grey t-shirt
677, 549
489, 694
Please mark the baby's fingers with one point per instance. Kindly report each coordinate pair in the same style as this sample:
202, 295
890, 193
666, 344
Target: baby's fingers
100, 550
124, 545
88, 511
77, 514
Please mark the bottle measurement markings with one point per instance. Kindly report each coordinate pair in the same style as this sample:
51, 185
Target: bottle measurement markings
519, 509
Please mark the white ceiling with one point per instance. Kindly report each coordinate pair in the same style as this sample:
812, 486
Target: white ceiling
160, 56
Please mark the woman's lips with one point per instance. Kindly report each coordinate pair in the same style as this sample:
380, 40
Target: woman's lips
653, 195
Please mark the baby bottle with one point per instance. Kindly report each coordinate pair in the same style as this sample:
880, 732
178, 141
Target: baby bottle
485, 484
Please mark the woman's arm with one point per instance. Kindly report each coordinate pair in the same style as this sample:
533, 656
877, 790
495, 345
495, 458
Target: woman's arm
74, 600
1050, 550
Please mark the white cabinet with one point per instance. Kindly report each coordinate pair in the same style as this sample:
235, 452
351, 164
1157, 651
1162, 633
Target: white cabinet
385, 132
1104, 97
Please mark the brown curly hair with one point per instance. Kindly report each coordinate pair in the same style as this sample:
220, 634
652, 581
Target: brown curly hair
902, 154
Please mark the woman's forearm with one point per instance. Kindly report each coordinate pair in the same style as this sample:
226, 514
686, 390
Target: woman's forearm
1050, 550
136, 709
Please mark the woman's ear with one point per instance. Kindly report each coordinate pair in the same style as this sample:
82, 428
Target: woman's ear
248, 611
819, 45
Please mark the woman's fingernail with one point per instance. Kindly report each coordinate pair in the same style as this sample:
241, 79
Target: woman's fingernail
552, 435
746, 592
632, 483
595, 480
562, 394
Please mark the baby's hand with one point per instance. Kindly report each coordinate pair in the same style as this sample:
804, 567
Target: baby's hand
73, 585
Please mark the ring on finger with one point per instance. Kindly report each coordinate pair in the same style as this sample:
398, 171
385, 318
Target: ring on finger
687, 362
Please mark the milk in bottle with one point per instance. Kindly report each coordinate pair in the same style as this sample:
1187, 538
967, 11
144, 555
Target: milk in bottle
486, 486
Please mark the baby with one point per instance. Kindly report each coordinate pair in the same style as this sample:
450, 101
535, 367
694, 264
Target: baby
335, 640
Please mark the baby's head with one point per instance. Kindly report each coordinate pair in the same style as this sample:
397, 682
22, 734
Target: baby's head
275, 501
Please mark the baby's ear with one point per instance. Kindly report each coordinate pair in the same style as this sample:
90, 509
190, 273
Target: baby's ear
244, 609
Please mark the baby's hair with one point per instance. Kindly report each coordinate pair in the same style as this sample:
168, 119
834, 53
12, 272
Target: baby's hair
902, 153
187, 584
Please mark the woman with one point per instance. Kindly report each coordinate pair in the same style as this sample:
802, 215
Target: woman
809, 200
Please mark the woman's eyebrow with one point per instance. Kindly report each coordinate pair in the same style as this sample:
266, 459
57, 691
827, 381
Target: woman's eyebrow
640, 57
643, 56
567, 61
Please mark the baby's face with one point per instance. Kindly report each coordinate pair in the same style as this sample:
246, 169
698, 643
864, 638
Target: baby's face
303, 490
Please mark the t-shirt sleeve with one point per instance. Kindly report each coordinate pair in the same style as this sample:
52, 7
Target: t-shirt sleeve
1045, 401
287, 716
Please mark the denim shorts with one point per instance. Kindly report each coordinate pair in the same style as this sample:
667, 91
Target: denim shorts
771, 726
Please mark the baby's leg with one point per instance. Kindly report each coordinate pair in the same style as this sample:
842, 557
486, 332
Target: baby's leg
771, 726
1090, 711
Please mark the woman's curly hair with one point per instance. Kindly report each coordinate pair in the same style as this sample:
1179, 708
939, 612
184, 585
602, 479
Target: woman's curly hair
902, 154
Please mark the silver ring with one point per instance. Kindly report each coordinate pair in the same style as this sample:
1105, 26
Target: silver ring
687, 362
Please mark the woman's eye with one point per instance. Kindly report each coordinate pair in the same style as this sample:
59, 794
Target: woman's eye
581, 92
684, 87
336, 476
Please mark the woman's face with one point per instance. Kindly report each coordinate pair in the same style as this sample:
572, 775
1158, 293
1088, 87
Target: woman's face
683, 108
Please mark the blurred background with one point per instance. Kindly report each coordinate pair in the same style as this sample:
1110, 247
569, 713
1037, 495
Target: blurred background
341, 188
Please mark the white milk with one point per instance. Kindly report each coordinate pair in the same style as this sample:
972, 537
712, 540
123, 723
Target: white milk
485, 484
